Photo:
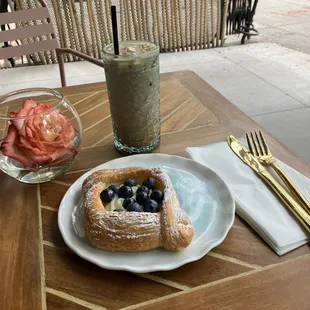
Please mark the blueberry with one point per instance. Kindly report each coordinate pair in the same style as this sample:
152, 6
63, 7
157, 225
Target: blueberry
134, 207
130, 182
149, 183
151, 206
142, 197
114, 188
142, 189
157, 195
119, 210
107, 195
127, 202
124, 192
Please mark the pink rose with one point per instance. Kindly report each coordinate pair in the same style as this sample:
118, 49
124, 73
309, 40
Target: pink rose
37, 138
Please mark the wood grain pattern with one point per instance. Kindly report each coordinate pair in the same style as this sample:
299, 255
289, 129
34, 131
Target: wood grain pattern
97, 131
78, 97
206, 118
55, 303
85, 89
206, 270
241, 272
168, 87
282, 287
111, 289
174, 100
98, 109
19, 246
90, 101
91, 157
50, 228
240, 223
71, 177
52, 194
183, 116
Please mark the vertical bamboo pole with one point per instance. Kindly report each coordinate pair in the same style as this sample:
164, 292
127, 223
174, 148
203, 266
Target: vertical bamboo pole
161, 39
181, 25
155, 23
133, 9
127, 18
201, 25
206, 29
147, 13
168, 28
108, 5
196, 26
218, 33
101, 23
75, 28
94, 28
174, 21
84, 27
187, 21
212, 23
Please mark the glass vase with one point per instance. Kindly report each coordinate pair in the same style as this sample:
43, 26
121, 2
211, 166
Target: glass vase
40, 134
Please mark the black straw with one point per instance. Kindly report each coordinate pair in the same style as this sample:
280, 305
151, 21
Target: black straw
114, 28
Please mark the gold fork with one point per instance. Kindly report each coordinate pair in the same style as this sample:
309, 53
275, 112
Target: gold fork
258, 147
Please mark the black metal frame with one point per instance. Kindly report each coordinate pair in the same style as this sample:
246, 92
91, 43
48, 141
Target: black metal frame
240, 18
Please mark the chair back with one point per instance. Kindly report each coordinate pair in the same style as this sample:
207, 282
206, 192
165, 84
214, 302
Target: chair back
36, 23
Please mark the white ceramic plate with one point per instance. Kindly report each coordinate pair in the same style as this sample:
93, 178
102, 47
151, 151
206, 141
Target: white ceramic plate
202, 194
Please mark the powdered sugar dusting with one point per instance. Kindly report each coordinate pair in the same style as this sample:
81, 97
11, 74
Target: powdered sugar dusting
113, 224
121, 226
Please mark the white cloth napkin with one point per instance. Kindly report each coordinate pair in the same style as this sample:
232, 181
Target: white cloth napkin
255, 203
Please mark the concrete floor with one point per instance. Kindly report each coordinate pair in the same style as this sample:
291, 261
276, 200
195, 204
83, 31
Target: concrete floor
268, 81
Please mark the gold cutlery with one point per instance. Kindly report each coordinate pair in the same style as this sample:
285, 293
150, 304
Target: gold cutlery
259, 149
242, 152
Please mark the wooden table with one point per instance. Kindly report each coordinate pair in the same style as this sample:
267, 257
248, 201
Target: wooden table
37, 269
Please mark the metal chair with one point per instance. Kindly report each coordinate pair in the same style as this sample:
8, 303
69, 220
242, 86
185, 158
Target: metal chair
45, 29
240, 18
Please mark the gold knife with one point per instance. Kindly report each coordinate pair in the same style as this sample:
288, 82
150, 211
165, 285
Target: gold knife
244, 154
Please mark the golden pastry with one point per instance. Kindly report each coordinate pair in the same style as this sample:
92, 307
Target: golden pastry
108, 229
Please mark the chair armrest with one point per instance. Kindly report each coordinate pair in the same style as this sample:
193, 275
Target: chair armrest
61, 51
80, 55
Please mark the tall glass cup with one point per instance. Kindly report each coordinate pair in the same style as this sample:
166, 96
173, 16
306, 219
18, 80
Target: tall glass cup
133, 88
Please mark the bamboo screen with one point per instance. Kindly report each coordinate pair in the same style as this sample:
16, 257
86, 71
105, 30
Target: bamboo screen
176, 25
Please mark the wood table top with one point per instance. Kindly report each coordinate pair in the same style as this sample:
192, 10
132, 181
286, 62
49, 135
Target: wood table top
38, 271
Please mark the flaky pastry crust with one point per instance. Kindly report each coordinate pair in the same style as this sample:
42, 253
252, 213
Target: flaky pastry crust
170, 228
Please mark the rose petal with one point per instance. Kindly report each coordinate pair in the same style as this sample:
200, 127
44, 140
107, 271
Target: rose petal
28, 105
13, 114
9, 148
43, 137
42, 107
41, 145
22, 131
67, 133
39, 160
65, 158
24, 144
32, 126
61, 152
50, 126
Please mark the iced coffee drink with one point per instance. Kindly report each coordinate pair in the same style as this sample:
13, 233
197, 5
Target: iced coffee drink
133, 87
